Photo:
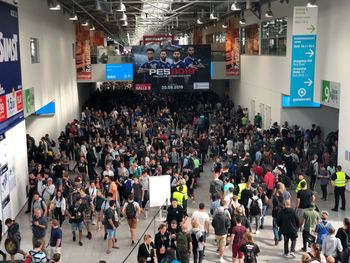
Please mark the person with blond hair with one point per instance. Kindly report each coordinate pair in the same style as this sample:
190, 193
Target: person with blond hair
249, 249
147, 250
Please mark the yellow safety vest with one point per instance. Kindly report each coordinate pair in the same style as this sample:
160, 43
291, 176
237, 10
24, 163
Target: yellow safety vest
179, 197
184, 190
241, 186
299, 185
341, 179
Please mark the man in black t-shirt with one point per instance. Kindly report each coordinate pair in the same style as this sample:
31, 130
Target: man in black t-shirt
111, 223
305, 197
76, 218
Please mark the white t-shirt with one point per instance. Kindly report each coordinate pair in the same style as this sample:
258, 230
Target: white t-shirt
201, 217
109, 173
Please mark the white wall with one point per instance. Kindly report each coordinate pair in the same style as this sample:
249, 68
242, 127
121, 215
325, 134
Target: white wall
264, 78
54, 78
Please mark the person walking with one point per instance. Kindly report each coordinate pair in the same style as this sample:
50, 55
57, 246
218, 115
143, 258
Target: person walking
237, 239
289, 223
184, 244
112, 222
250, 249
76, 219
55, 239
339, 181
255, 207
332, 246
221, 225
131, 210
38, 252
310, 219
161, 242
39, 226
14, 234
203, 220
197, 242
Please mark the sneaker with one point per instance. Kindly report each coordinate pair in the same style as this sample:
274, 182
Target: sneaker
335, 210
342, 209
257, 232
93, 223
108, 252
80, 243
292, 254
74, 238
286, 255
303, 249
222, 260
89, 235
276, 242
261, 227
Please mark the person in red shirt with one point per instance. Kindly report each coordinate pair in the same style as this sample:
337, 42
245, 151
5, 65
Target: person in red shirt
269, 180
237, 239
258, 170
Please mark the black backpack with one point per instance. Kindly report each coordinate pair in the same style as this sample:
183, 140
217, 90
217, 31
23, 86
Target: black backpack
130, 211
254, 207
310, 171
249, 255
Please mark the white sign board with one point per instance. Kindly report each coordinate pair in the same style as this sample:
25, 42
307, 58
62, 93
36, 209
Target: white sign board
305, 20
159, 190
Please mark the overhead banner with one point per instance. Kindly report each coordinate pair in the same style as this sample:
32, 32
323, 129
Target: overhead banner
83, 52
11, 106
172, 68
330, 94
303, 57
232, 49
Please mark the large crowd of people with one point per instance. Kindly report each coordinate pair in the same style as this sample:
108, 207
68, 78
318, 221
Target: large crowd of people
96, 173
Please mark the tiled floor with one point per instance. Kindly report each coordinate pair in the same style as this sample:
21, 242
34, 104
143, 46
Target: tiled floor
95, 249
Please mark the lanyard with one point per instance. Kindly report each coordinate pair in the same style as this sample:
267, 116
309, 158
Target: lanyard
148, 248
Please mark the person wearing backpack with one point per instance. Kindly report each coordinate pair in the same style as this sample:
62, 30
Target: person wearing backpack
313, 171
310, 219
14, 235
249, 249
37, 255
255, 207
322, 228
131, 210
38, 202
331, 245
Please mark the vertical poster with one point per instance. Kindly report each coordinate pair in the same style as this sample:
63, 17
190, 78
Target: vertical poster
11, 106
83, 52
232, 49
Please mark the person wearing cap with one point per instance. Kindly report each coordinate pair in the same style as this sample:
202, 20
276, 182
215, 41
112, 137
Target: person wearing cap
324, 224
310, 219
339, 180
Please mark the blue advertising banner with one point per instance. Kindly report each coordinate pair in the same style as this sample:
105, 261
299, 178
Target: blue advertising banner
121, 72
303, 70
11, 105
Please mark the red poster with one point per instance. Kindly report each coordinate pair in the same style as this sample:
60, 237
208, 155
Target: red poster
232, 48
3, 112
97, 38
19, 100
83, 53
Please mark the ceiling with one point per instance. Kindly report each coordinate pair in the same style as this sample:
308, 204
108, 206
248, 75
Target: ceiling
147, 17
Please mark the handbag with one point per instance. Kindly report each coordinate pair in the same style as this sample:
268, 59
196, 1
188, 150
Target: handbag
311, 238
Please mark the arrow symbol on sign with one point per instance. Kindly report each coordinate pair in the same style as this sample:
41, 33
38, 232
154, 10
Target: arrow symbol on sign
308, 82
310, 53
311, 28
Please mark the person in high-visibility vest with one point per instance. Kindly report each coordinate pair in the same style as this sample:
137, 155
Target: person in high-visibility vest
241, 186
301, 179
339, 180
179, 196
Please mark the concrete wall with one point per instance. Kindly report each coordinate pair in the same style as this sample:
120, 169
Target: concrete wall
54, 78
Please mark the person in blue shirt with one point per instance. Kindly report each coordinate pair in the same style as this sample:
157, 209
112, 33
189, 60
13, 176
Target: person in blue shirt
163, 79
177, 79
145, 67
192, 62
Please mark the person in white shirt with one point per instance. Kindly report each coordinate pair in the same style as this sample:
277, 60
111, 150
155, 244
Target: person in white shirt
108, 172
202, 217
48, 192
255, 207
331, 244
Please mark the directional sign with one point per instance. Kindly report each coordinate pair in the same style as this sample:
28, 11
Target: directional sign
303, 57
330, 93
305, 20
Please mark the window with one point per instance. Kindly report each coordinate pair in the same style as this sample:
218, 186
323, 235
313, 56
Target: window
219, 37
250, 40
274, 37
34, 50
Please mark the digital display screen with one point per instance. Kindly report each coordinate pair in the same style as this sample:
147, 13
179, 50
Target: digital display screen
122, 72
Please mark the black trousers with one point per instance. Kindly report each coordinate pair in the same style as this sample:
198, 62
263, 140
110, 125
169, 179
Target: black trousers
339, 192
324, 191
312, 182
286, 243
305, 236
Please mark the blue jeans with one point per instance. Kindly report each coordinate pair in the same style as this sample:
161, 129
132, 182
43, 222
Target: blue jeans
276, 231
263, 214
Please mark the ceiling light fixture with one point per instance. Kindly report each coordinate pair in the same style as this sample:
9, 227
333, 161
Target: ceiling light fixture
73, 17
54, 5
311, 3
235, 7
125, 23
242, 20
124, 17
269, 11
199, 22
92, 28
121, 7
86, 23
224, 26
212, 16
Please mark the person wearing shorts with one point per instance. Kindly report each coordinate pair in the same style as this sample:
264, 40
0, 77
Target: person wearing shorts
237, 239
112, 222
76, 218
132, 220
